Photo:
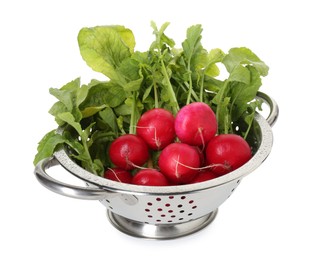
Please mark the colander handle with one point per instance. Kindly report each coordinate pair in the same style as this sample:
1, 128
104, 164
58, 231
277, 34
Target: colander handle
274, 111
69, 190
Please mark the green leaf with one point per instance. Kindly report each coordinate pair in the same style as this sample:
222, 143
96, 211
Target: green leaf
90, 111
161, 37
240, 74
108, 120
249, 114
69, 119
244, 56
123, 109
56, 109
192, 43
73, 142
84, 157
66, 94
131, 70
107, 93
69, 96
214, 56
126, 108
47, 145
195, 57
248, 91
98, 167
120, 124
133, 85
81, 94
242, 94
99, 150
147, 92
126, 35
105, 47
101, 95
212, 70
200, 60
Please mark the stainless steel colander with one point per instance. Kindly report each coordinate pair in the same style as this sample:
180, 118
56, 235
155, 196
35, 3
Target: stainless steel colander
161, 212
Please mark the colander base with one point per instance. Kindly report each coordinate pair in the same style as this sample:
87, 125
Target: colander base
160, 231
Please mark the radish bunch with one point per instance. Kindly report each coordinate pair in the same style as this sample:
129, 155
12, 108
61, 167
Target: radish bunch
119, 129
186, 147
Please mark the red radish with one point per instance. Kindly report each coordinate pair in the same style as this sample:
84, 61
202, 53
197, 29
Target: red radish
128, 151
204, 176
156, 127
195, 124
117, 174
179, 162
227, 152
150, 177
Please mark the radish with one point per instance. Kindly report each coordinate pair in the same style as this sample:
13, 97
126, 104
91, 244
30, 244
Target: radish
195, 124
227, 152
179, 162
204, 176
128, 152
156, 127
150, 177
117, 174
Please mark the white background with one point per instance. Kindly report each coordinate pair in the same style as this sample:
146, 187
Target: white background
268, 217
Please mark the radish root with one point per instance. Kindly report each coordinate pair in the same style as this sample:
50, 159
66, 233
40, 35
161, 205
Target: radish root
155, 139
115, 174
210, 166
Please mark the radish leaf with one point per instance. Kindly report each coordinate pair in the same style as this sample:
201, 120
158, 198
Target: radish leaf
105, 47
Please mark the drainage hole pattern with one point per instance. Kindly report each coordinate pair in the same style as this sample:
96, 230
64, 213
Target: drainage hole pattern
170, 209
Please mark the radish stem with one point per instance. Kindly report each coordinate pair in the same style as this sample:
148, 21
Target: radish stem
132, 129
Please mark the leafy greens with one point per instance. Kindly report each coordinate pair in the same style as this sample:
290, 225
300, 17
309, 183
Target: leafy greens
93, 115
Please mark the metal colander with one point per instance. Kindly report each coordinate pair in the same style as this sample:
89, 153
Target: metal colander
161, 212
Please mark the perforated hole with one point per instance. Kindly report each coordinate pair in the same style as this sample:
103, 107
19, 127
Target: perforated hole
170, 209
108, 202
238, 182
